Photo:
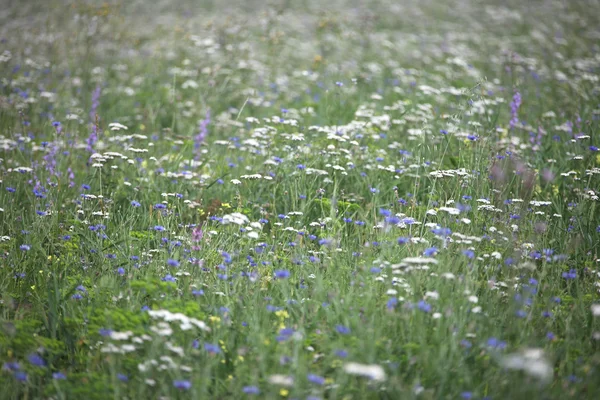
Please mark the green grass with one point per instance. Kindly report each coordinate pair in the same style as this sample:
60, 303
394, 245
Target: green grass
396, 208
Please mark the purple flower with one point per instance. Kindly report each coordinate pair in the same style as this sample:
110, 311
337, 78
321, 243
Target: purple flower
20, 376
105, 332
391, 303
251, 390
81, 288
202, 133
135, 203
341, 353
384, 212
431, 251
514, 109
212, 348
172, 263
443, 232
122, 377
403, 240
182, 384
11, 366
572, 274
316, 379
469, 253
344, 330
59, 376
424, 306
282, 274
25, 247
494, 343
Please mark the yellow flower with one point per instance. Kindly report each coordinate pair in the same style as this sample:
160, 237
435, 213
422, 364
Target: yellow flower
284, 392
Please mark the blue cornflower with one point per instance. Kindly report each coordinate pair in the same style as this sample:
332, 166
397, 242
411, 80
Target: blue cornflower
212, 348
105, 332
443, 232
182, 384
25, 247
36, 359
341, 353
20, 376
169, 278
403, 240
135, 203
391, 303
431, 251
572, 274
172, 263
59, 376
344, 330
11, 366
469, 253
392, 220
251, 390
316, 379
282, 274
496, 344
424, 306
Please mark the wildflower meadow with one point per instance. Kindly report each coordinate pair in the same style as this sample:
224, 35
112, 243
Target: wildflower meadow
300, 199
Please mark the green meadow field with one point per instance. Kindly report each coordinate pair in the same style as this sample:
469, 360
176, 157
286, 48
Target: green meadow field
305, 200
